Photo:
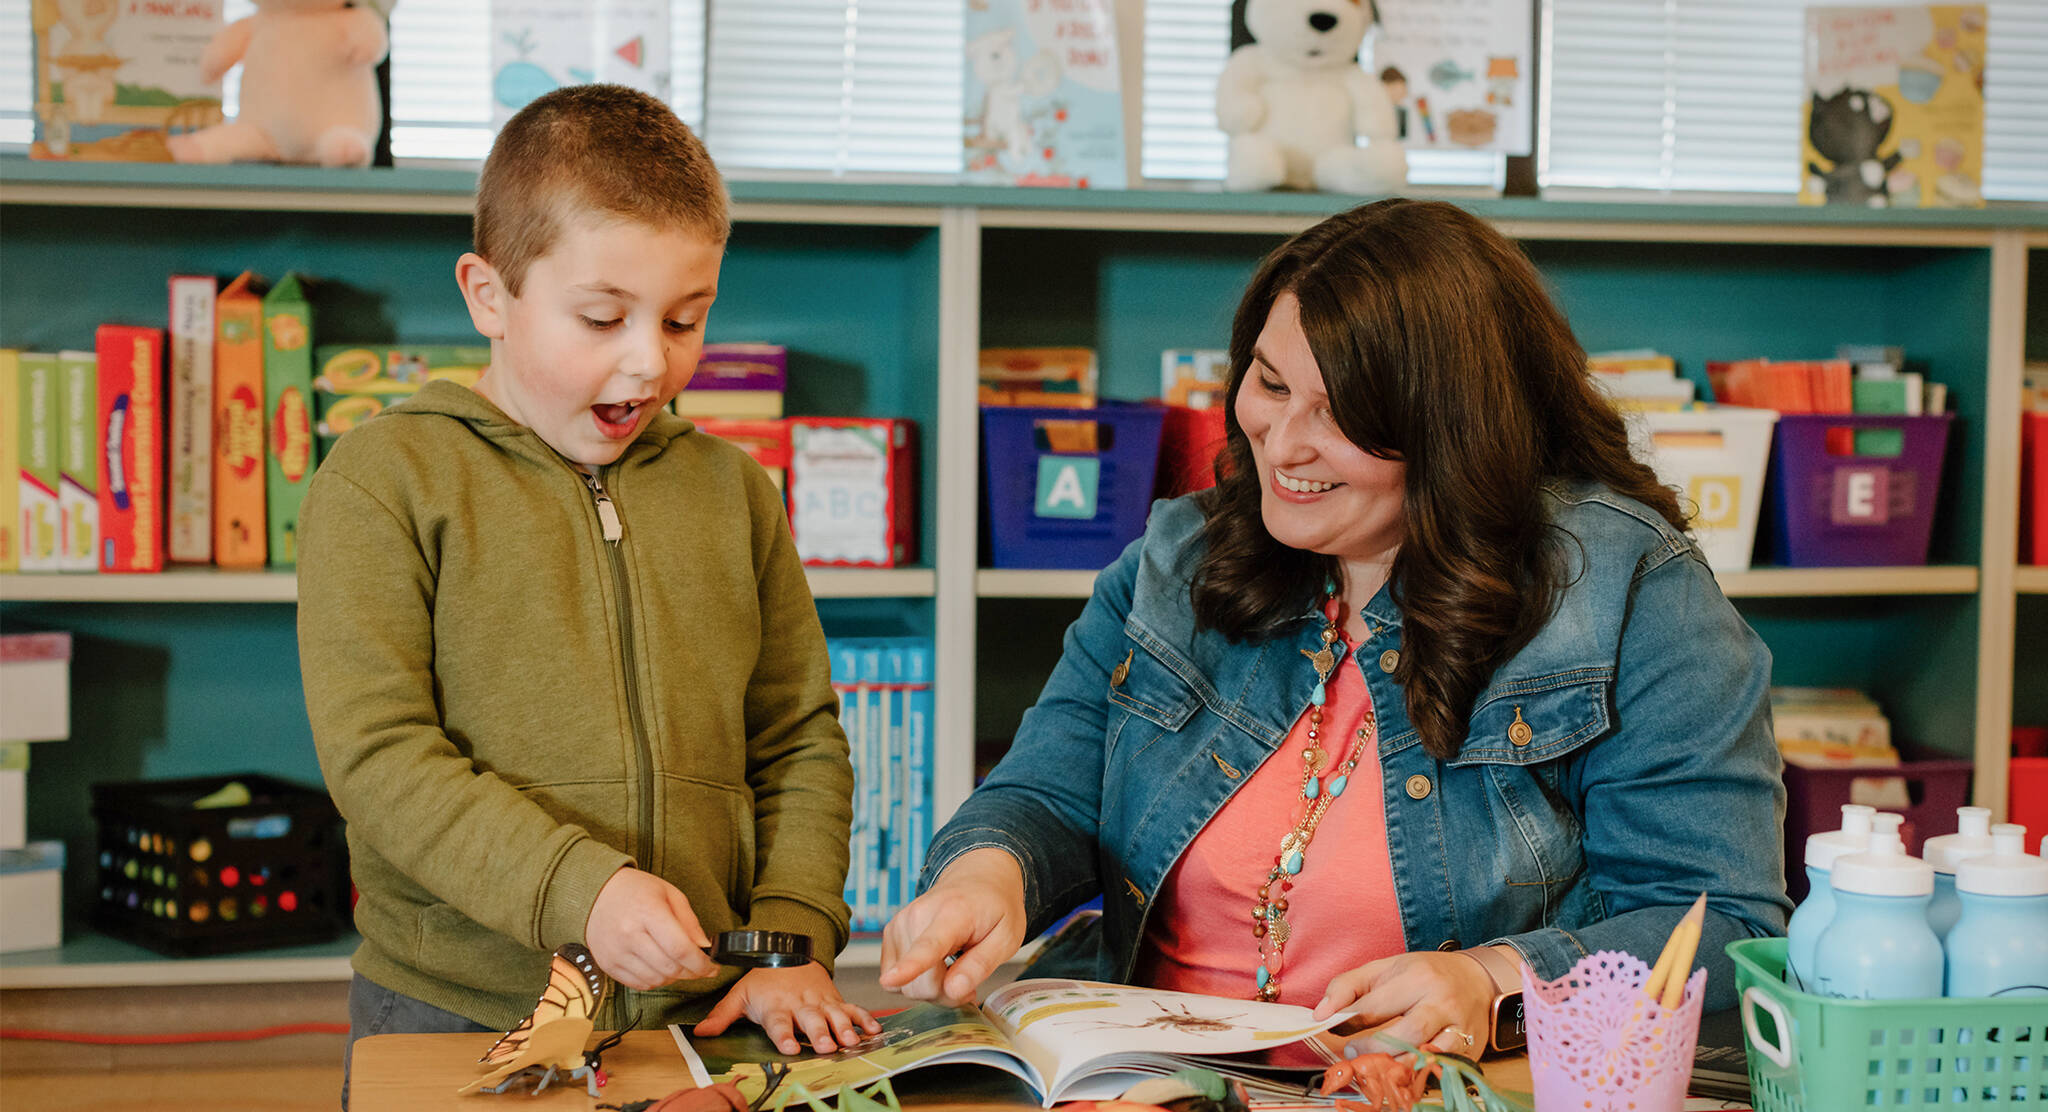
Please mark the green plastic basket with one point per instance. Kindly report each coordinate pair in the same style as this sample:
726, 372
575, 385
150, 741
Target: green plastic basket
1812, 1053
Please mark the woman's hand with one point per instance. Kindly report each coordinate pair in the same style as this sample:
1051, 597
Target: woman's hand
1437, 1001
973, 917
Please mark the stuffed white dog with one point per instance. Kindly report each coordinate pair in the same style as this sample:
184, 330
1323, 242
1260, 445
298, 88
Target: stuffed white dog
1295, 102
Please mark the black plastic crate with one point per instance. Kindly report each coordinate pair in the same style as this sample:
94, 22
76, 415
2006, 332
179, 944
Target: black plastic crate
189, 881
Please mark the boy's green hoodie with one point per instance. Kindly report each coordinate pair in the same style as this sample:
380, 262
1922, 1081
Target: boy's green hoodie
508, 706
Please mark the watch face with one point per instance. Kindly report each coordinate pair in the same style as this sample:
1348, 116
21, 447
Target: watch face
1508, 1032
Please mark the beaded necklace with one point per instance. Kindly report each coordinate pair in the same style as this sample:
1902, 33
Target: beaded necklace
1269, 916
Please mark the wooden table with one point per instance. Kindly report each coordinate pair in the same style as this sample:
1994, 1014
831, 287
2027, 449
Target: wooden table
403, 1073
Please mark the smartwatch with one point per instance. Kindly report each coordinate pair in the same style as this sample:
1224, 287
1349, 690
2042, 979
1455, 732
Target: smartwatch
1506, 1031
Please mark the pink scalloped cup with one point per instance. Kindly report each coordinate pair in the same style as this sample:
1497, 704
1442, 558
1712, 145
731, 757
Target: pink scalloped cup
1597, 1044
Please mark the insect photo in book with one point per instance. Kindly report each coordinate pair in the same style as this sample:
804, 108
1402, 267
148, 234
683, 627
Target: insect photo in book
1171, 1020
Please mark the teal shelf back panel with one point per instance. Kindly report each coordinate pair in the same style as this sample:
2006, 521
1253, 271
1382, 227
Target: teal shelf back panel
161, 691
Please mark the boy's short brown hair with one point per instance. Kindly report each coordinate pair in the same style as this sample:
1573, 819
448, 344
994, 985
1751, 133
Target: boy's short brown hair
592, 150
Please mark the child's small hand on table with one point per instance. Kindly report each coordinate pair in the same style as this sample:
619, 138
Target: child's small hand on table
644, 933
780, 1000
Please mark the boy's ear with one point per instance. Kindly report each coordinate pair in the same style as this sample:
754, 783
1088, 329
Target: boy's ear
484, 293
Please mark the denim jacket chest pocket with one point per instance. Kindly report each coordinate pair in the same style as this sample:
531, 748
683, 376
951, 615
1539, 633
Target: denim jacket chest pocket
1148, 701
1523, 736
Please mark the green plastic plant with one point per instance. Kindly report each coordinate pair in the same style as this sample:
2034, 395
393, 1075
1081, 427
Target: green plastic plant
1464, 1083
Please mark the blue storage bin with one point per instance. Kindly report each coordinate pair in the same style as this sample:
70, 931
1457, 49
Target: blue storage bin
1112, 486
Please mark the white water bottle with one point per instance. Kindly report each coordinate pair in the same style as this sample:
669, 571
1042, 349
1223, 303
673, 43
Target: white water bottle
1972, 839
1999, 946
1818, 908
1879, 946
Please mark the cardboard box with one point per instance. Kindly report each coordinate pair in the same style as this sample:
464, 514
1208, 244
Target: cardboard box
35, 687
78, 461
853, 491
240, 538
1037, 376
355, 382
13, 807
766, 441
288, 404
131, 428
37, 483
190, 519
32, 897
10, 460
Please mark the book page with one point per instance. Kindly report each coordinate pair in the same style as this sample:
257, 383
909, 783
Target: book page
923, 1035
1071, 1027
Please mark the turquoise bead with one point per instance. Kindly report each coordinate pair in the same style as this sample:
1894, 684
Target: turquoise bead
1311, 789
1263, 976
1292, 863
1337, 785
1319, 695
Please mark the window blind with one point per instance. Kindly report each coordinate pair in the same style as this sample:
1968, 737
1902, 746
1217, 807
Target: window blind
1705, 95
835, 86
1186, 44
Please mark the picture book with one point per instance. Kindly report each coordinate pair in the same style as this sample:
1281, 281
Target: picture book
36, 414
78, 465
240, 537
10, 460
131, 429
538, 46
1067, 1040
190, 534
113, 79
1894, 106
287, 399
1044, 94
885, 707
852, 491
1458, 73
354, 382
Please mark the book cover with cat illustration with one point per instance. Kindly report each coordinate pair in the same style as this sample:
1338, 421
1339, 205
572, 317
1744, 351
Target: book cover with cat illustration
1894, 110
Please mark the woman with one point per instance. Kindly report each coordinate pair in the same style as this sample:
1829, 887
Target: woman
1538, 730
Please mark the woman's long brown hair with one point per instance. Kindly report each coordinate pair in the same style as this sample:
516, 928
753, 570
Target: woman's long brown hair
1438, 346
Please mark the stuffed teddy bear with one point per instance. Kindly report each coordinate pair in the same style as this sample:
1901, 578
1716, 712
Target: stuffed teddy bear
309, 86
1295, 102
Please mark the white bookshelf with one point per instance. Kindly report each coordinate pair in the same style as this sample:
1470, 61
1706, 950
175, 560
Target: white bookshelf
198, 584
2031, 580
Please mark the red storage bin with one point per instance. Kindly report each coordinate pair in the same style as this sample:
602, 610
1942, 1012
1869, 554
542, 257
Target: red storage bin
1814, 799
2026, 797
1189, 440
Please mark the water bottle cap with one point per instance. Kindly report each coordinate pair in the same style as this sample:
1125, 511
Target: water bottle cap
1973, 838
2008, 870
1882, 870
1823, 848
1887, 822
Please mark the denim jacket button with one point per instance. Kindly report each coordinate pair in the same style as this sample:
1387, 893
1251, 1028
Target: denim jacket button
1418, 786
1448, 945
1390, 660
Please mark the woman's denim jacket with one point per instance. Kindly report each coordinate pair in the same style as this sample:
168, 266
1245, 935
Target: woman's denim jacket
1647, 774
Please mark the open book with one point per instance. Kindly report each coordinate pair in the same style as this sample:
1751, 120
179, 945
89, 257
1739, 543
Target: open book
1067, 1040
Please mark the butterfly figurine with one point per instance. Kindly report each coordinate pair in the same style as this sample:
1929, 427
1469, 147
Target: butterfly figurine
548, 1045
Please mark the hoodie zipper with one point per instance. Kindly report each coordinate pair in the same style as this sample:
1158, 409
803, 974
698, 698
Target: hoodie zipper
614, 532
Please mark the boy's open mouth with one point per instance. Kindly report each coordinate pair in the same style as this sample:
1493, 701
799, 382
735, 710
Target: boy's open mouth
616, 419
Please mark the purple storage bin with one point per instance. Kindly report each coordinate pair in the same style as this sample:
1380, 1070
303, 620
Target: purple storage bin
1011, 451
1814, 799
1833, 508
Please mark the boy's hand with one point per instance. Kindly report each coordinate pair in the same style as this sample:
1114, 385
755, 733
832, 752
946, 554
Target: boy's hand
642, 931
781, 999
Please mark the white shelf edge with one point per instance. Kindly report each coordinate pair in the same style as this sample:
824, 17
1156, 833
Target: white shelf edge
216, 585
1025, 583
1756, 583
2031, 580
1827, 582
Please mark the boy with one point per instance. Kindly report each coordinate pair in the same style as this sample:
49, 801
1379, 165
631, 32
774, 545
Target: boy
565, 675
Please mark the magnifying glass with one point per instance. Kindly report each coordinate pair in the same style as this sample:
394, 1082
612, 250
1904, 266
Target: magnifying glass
762, 949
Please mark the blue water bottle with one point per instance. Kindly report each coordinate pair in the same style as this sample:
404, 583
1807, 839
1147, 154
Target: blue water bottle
1815, 911
1972, 839
1999, 946
1879, 946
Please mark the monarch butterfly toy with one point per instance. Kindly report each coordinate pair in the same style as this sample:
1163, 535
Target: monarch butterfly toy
548, 1045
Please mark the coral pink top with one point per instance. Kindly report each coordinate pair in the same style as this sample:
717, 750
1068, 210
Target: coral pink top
1342, 906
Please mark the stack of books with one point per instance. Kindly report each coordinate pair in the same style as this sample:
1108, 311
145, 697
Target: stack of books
885, 706
736, 382
1862, 378
1839, 727
1640, 379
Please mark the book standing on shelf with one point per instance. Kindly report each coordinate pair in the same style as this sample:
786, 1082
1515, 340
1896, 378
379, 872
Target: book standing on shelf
240, 533
885, 707
38, 479
131, 422
78, 464
288, 401
10, 460
190, 516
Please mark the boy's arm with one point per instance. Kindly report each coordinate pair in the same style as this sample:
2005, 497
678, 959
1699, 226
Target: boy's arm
366, 649
797, 756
